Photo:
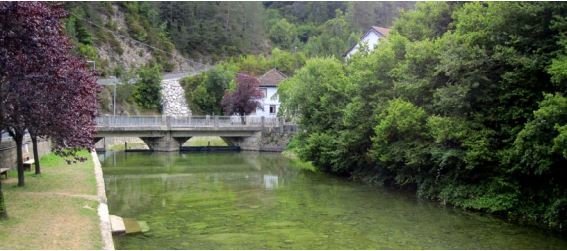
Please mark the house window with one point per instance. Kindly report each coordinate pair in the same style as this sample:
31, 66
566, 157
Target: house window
264, 92
272, 109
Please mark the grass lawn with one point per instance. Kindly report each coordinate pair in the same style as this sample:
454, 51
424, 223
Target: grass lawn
55, 210
205, 141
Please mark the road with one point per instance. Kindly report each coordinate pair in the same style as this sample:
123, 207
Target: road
112, 80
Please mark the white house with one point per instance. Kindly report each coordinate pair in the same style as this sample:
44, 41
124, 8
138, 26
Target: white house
369, 39
269, 86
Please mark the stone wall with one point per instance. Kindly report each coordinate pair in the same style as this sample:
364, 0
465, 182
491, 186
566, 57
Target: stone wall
173, 99
276, 139
273, 139
8, 151
108, 142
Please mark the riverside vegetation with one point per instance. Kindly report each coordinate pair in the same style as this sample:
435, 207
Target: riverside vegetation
463, 103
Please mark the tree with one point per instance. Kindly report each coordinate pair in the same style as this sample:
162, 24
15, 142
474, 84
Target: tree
147, 92
334, 37
205, 91
283, 34
245, 98
46, 90
3, 211
316, 95
464, 102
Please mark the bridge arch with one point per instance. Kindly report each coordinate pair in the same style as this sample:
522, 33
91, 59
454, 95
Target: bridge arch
164, 133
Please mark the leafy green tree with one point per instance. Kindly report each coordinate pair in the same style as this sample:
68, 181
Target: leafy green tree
364, 14
454, 102
430, 20
147, 90
334, 37
283, 34
316, 95
205, 91
539, 146
400, 141
286, 62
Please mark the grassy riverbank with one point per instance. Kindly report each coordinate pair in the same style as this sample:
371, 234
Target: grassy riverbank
205, 141
297, 162
56, 210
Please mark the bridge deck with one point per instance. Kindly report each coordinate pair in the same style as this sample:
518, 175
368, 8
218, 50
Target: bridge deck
159, 126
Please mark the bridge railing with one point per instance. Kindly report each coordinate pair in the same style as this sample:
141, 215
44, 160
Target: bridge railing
188, 121
129, 121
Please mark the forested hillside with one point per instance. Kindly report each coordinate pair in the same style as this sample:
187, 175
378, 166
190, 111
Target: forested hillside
124, 39
122, 36
464, 103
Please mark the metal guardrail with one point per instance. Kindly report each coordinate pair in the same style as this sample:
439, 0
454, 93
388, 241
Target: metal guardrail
188, 122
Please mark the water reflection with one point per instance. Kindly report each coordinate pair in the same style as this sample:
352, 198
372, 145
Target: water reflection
270, 182
258, 201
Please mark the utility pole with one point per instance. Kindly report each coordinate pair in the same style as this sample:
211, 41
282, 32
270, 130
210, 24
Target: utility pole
114, 101
92, 62
114, 89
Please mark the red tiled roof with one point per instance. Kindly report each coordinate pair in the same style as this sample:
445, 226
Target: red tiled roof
272, 78
381, 30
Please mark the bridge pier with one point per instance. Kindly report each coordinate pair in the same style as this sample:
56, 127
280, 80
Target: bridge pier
167, 134
165, 144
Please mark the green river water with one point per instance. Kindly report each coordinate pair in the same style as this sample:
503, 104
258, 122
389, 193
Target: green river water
262, 201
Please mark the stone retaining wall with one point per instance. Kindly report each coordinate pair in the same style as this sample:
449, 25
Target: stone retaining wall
8, 153
173, 99
103, 213
273, 139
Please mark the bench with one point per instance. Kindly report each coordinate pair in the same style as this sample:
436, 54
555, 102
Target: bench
4, 171
28, 163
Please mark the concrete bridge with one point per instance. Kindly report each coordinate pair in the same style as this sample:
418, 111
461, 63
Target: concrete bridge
165, 133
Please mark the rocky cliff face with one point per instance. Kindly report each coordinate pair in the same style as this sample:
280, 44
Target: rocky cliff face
173, 99
129, 53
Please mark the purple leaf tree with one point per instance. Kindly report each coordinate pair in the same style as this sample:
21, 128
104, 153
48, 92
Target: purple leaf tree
245, 98
45, 89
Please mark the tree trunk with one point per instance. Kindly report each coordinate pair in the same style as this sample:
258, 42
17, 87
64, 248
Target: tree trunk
35, 154
19, 138
3, 211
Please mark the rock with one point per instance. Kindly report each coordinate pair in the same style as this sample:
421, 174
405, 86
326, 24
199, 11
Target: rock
132, 226
173, 99
117, 224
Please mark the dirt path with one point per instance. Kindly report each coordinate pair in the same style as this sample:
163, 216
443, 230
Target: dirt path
82, 196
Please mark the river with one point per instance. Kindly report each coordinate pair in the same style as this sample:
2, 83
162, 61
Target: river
263, 201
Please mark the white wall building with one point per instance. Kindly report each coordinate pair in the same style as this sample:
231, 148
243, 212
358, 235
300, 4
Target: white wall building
269, 86
369, 39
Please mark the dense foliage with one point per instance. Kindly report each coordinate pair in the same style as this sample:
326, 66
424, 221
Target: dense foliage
252, 37
217, 30
464, 102
147, 88
205, 91
44, 89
